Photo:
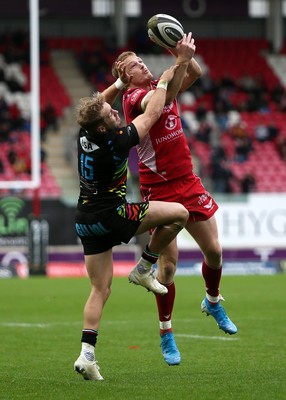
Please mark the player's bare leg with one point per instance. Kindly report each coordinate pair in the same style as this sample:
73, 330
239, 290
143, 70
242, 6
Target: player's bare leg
100, 272
206, 235
170, 219
167, 264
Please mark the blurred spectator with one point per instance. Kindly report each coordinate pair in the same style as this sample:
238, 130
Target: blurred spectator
273, 131
261, 132
204, 132
221, 176
2, 169
50, 117
5, 126
20, 166
227, 82
239, 130
281, 147
247, 183
242, 147
22, 163
252, 103
220, 110
218, 154
16, 117
282, 104
201, 112
277, 93
12, 156
246, 83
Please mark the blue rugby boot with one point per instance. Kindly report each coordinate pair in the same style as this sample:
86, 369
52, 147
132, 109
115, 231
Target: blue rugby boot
219, 314
170, 351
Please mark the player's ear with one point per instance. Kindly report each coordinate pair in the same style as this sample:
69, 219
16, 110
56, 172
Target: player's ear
101, 129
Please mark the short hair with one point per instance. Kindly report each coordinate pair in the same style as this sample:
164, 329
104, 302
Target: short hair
88, 111
121, 57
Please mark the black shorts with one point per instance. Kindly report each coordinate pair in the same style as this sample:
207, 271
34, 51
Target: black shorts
100, 231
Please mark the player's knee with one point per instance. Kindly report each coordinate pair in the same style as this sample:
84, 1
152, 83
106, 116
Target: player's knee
184, 216
214, 256
102, 292
181, 218
167, 270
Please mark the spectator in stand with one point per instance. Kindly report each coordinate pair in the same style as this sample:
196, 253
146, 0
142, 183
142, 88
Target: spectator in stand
16, 117
6, 125
2, 169
201, 112
246, 83
221, 107
252, 103
242, 146
281, 147
247, 183
220, 111
220, 172
264, 103
221, 176
20, 161
12, 156
277, 93
218, 154
204, 132
239, 130
273, 131
261, 132
50, 117
282, 104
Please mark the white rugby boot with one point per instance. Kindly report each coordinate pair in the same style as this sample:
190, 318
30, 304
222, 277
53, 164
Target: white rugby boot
147, 280
89, 369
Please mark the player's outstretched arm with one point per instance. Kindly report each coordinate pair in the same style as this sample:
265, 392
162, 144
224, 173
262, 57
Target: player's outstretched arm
185, 75
110, 94
155, 105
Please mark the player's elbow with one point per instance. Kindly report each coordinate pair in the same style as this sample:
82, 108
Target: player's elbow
196, 74
199, 72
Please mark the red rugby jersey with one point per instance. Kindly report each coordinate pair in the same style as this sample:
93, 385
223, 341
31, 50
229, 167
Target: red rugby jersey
163, 154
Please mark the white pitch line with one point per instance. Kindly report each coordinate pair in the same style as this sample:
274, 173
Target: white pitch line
49, 325
23, 325
205, 337
36, 325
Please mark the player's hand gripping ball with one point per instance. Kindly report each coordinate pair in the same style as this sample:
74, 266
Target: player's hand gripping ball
165, 30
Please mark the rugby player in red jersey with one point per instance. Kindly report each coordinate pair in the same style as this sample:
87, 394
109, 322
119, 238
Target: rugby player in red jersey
166, 174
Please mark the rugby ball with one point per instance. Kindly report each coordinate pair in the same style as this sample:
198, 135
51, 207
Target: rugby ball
165, 30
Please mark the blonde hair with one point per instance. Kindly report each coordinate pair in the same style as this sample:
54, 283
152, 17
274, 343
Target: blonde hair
88, 111
121, 57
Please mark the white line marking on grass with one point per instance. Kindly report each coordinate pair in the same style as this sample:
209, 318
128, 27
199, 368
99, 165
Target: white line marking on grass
36, 325
23, 325
205, 337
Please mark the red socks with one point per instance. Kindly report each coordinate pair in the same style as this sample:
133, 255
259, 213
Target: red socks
165, 308
212, 279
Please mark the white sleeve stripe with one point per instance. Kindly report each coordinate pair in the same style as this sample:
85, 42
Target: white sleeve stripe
143, 102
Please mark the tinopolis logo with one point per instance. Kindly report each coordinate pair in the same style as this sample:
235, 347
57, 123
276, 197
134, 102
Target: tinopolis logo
9, 223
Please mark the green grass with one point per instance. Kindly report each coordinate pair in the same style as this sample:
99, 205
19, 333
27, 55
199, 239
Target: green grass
40, 331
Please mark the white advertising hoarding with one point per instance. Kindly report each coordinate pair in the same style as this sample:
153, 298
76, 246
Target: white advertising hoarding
254, 221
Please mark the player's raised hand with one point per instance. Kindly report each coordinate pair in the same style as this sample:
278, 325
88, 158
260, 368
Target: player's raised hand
168, 74
185, 48
123, 74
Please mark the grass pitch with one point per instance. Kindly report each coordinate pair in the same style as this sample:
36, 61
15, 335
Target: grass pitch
40, 331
